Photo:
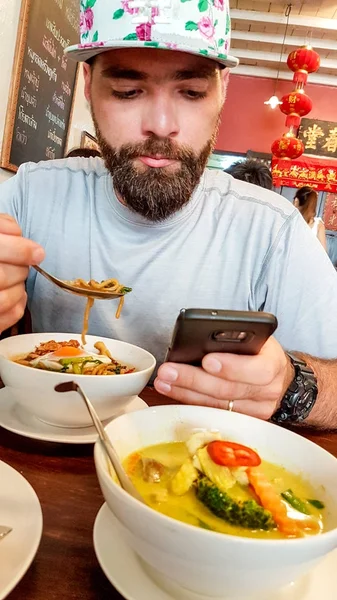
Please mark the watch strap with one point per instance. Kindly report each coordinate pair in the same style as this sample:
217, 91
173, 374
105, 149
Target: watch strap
301, 395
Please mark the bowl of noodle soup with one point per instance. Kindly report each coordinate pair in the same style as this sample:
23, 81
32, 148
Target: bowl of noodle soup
110, 387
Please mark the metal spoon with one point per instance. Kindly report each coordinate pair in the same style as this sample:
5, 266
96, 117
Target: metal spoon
124, 479
4, 531
102, 295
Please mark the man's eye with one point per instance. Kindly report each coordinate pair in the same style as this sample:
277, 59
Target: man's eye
194, 95
128, 95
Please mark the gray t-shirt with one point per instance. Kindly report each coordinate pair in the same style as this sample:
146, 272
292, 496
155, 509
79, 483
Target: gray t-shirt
234, 246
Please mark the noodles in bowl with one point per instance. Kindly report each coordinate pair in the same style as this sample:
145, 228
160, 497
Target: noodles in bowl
111, 387
107, 285
70, 357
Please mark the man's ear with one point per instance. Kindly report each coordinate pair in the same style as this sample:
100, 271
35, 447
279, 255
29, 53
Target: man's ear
224, 74
87, 73
296, 203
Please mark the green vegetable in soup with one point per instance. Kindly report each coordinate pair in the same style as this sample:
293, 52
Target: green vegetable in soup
317, 504
76, 365
75, 360
295, 502
247, 514
204, 525
76, 368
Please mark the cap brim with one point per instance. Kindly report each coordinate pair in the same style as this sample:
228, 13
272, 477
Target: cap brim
83, 53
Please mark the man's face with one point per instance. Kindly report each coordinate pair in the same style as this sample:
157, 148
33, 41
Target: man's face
156, 114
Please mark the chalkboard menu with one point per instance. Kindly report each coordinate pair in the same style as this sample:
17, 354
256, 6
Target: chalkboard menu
43, 83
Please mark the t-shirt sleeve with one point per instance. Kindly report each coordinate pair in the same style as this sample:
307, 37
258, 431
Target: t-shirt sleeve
298, 283
12, 197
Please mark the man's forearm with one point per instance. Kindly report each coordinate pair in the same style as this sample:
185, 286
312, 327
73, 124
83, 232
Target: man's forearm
324, 412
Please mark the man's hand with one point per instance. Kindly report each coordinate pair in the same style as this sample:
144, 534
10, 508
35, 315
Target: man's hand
256, 384
16, 255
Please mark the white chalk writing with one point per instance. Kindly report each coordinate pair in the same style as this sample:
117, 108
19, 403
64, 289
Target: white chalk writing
55, 138
57, 33
28, 98
43, 64
21, 136
50, 152
59, 101
33, 79
26, 118
65, 88
64, 62
52, 118
49, 45
73, 19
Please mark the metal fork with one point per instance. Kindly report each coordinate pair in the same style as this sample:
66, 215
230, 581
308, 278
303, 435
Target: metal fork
68, 287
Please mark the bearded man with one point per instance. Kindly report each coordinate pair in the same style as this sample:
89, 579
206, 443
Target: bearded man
153, 216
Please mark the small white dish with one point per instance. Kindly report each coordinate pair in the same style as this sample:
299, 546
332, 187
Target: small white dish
14, 417
21, 510
118, 560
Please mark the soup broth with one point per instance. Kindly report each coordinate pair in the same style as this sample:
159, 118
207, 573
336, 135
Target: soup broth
188, 508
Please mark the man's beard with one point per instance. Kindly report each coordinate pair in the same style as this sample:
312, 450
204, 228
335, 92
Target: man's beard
154, 193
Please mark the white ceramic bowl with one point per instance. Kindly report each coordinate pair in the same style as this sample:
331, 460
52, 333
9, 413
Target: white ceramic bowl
34, 388
205, 562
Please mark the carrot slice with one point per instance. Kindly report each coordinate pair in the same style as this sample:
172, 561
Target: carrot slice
132, 462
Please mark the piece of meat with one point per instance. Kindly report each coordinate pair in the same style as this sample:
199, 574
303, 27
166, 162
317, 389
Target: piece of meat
152, 470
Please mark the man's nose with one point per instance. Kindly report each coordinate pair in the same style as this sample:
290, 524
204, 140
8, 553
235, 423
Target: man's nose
160, 117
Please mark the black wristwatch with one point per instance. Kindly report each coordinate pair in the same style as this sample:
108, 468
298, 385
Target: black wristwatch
300, 396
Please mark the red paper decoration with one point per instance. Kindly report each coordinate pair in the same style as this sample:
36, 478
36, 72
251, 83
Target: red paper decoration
287, 147
296, 104
304, 59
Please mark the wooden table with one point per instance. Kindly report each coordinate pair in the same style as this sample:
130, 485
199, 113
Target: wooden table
64, 478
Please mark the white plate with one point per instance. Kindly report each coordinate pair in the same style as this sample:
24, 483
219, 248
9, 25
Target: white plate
118, 560
21, 510
17, 419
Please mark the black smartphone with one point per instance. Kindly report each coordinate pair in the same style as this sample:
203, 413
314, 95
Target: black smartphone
198, 332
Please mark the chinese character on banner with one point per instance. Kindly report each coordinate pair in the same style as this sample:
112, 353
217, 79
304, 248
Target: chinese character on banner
331, 141
319, 173
330, 212
312, 134
319, 137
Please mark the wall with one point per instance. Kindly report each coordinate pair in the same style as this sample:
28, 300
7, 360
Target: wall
248, 124
9, 18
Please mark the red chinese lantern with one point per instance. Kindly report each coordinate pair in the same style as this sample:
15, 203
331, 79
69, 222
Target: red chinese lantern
287, 147
297, 103
304, 59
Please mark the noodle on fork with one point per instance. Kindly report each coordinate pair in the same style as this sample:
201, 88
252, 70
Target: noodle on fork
108, 285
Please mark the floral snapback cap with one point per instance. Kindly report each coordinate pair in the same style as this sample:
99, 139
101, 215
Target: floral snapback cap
194, 26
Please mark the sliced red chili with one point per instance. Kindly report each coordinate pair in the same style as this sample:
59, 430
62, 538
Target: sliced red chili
230, 454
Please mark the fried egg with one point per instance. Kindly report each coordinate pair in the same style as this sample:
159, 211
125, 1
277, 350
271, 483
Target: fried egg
54, 361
